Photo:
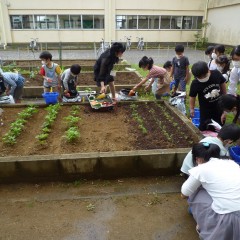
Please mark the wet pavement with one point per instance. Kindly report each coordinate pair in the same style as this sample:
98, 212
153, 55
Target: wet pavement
121, 209
160, 56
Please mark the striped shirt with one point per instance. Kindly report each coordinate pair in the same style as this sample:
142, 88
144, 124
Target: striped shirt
156, 72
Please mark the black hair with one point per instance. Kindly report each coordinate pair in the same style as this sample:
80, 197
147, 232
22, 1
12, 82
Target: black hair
167, 64
46, 55
229, 131
116, 48
75, 69
228, 102
220, 48
236, 51
224, 59
209, 50
146, 61
199, 69
179, 48
205, 150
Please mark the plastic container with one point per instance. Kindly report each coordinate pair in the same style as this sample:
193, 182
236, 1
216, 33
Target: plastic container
196, 113
235, 153
50, 97
196, 121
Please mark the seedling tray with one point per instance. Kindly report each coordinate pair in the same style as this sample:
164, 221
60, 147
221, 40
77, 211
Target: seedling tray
100, 104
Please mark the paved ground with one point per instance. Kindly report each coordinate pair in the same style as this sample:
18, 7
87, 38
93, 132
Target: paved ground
122, 209
133, 56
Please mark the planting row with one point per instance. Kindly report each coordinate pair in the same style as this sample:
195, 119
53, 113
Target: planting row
70, 129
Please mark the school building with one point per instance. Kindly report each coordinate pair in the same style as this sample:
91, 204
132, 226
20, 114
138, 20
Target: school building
90, 21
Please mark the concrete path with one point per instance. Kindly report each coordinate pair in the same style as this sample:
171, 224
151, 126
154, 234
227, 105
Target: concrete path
160, 56
122, 209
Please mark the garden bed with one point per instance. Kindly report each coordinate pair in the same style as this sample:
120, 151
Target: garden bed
133, 126
87, 79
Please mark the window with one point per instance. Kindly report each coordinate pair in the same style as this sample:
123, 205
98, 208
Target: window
121, 22
197, 22
64, 21
98, 21
87, 21
165, 22
176, 22
16, 22
142, 22
46, 22
153, 22
75, 21
132, 22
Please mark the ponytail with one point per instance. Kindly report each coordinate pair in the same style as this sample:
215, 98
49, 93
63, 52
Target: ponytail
146, 61
205, 151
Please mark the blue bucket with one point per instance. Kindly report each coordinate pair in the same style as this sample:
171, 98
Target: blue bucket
235, 153
196, 121
50, 97
196, 113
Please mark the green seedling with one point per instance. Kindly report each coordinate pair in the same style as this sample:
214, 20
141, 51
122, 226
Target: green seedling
72, 134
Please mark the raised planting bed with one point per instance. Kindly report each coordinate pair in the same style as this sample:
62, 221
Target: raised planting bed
132, 134
85, 68
33, 86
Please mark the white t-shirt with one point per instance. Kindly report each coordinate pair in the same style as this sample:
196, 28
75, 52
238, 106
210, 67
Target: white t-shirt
212, 65
233, 81
221, 179
187, 162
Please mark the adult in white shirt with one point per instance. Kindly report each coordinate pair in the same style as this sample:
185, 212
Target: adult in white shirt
235, 73
213, 189
226, 136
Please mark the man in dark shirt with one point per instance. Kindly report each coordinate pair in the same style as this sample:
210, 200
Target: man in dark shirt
208, 86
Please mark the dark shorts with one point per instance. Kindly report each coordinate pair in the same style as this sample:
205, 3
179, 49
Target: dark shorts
106, 82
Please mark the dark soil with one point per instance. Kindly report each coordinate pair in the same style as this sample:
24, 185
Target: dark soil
100, 131
87, 78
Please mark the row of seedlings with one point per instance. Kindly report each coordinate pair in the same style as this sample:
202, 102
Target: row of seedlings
138, 118
17, 126
52, 112
72, 134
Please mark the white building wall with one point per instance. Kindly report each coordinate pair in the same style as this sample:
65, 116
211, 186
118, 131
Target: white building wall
109, 8
224, 17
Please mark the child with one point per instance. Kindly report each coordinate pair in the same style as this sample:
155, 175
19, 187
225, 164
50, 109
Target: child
159, 79
70, 80
213, 189
51, 73
230, 103
208, 86
226, 136
104, 66
180, 70
168, 66
210, 53
223, 66
14, 83
235, 73
217, 51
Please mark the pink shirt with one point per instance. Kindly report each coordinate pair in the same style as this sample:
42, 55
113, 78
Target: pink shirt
156, 72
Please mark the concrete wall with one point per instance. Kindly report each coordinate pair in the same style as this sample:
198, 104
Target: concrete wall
224, 17
109, 8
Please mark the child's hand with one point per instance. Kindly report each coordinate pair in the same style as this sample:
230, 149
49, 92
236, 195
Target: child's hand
103, 89
191, 113
49, 80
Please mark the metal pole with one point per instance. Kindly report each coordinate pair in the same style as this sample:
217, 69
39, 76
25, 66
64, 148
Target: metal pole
60, 53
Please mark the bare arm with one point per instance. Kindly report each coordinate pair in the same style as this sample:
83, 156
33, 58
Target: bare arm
192, 101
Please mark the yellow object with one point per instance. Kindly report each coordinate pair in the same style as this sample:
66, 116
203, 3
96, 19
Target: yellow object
101, 96
50, 89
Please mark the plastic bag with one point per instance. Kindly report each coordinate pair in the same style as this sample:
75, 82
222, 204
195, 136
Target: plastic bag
179, 102
123, 95
7, 100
